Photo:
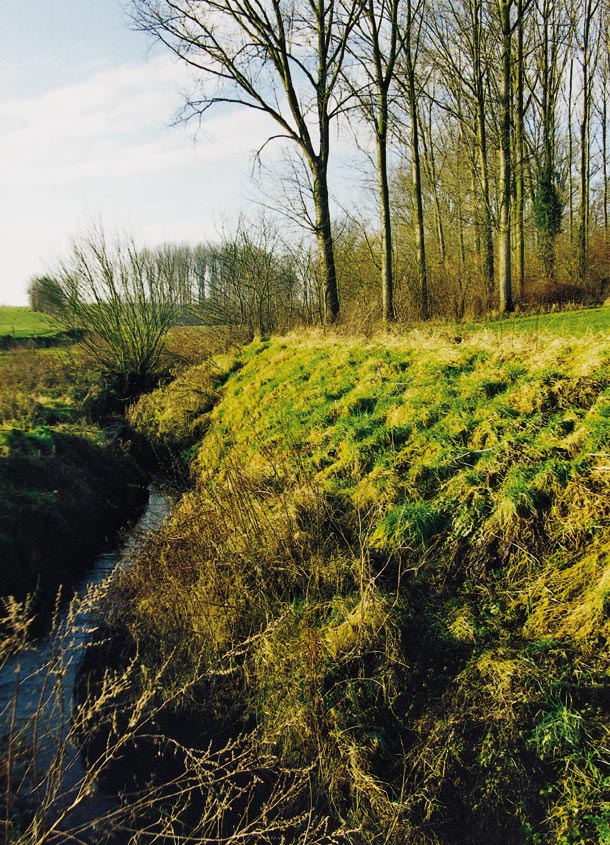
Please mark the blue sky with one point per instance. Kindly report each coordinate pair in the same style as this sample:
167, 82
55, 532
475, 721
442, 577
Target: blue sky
85, 135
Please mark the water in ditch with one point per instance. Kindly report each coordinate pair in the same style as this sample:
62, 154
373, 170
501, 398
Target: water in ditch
42, 774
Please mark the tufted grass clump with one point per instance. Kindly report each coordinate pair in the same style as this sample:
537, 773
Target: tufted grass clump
174, 417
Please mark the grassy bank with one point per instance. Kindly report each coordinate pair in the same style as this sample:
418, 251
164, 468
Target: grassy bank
393, 567
63, 493
65, 484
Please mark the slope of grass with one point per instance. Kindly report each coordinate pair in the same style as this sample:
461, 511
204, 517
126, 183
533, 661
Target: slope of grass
394, 567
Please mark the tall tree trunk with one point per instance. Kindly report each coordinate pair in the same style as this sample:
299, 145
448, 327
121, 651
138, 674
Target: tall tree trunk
605, 164
582, 240
387, 276
520, 152
570, 153
429, 161
486, 229
325, 242
282, 60
548, 206
476, 216
461, 193
605, 47
420, 236
505, 280
382, 37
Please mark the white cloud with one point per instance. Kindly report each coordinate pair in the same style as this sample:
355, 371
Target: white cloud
115, 122
104, 147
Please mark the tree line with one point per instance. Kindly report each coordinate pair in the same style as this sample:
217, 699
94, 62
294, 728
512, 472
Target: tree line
121, 299
489, 122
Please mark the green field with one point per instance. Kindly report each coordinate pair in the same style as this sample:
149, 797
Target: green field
21, 321
573, 323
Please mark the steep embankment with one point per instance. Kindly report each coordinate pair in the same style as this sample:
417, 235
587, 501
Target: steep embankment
393, 567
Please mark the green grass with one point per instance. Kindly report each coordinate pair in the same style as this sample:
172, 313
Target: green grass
569, 323
21, 322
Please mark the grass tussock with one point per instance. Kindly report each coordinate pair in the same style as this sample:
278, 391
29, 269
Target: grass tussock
393, 570
175, 417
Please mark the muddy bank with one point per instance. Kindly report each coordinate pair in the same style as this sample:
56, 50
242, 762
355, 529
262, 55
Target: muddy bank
63, 497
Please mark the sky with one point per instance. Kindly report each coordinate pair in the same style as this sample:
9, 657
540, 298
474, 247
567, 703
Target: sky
87, 136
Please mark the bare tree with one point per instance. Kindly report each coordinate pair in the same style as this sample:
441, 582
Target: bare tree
588, 43
552, 33
279, 58
460, 37
176, 262
604, 88
251, 283
504, 230
429, 127
520, 109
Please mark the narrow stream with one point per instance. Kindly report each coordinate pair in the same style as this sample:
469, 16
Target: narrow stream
37, 687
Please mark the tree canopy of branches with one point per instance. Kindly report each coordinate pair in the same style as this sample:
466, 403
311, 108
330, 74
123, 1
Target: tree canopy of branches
489, 125
125, 302
249, 284
376, 46
280, 58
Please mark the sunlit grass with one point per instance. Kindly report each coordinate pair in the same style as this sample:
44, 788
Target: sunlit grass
394, 559
568, 323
